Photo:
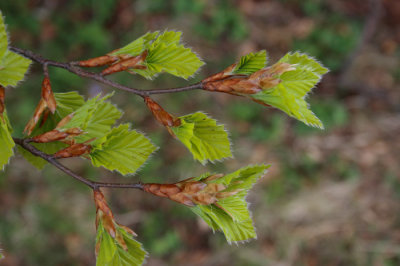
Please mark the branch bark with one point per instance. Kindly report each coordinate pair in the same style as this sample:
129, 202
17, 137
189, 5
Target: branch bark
25, 143
99, 77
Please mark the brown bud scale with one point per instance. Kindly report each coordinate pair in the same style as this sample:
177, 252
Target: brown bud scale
48, 96
74, 150
98, 61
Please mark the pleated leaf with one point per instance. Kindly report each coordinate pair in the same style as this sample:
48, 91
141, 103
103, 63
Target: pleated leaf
122, 150
111, 253
12, 66
289, 95
95, 118
165, 54
3, 37
251, 63
137, 46
231, 215
6, 142
205, 139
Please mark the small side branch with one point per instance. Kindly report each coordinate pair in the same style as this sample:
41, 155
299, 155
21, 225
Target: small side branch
97, 76
25, 143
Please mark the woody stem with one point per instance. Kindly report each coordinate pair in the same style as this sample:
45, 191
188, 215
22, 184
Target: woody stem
99, 77
25, 143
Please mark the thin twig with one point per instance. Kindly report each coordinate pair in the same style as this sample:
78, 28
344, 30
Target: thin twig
25, 143
98, 77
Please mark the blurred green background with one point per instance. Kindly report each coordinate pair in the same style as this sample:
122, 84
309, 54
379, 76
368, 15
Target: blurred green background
331, 198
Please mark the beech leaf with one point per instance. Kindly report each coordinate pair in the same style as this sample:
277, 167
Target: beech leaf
205, 139
230, 214
122, 149
111, 253
6, 142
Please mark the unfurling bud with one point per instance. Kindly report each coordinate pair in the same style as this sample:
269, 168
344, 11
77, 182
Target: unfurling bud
75, 150
99, 61
36, 116
161, 115
104, 213
262, 79
48, 96
106, 217
192, 193
127, 63
56, 135
47, 100
2, 96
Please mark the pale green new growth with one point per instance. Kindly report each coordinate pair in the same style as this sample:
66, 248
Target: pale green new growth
122, 149
111, 253
12, 65
251, 63
231, 215
164, 54
6, 142
3, 37
137, 46
94, 118
205, 139
67, 103
289, 95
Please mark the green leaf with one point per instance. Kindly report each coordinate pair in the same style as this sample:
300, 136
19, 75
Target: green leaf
67, 103
251, 63
231, 215
289, 95
6, 142
12, 68
95, 118
204, 138
111, 253
165, 54
3, 37
137, 46
122, 149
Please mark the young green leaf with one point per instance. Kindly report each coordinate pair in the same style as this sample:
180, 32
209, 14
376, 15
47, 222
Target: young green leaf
112, 253
230, 214
12, 65
251, 63
95, 118
165, 54
6, 142
204, 138
122, 149
137, 46
12, 68
67, 103
3, 37
294, 85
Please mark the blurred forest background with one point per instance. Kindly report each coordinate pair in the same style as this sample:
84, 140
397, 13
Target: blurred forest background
332, 197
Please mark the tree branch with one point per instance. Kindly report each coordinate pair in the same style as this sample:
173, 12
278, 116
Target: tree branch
98, 77
25, 143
